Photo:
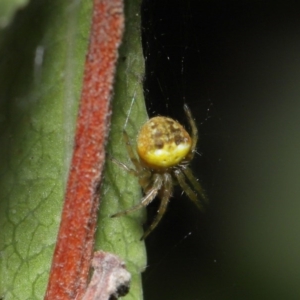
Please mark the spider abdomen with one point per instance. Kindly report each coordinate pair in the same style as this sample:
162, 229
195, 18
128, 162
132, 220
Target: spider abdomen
162, 143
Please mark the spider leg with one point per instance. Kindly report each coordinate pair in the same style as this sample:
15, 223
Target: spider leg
166, 194
193, 127
187, 189
196, 185
151, 194
131, 153
124, 167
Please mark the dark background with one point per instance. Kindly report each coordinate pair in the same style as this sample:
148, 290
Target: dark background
237, 65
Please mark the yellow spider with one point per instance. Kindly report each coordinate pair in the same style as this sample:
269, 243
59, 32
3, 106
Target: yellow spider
164, 150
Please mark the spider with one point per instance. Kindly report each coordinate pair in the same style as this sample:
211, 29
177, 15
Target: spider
164, 150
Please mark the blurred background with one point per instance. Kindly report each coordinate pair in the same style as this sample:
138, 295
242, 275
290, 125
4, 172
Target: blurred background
237, 65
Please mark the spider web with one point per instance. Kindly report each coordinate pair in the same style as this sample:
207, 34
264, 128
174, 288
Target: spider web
174, 63
226, 60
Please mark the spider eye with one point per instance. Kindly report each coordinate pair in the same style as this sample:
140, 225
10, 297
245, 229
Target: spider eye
162, 142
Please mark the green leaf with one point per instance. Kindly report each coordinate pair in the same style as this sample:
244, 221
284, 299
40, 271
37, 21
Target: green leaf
42, 55
121, 190
7, 10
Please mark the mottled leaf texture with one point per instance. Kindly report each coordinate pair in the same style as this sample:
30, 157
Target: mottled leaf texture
110, 279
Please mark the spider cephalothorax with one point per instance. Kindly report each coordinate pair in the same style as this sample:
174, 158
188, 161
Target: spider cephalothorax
164, 151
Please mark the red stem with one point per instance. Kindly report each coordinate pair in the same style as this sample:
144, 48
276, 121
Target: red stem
74, 247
